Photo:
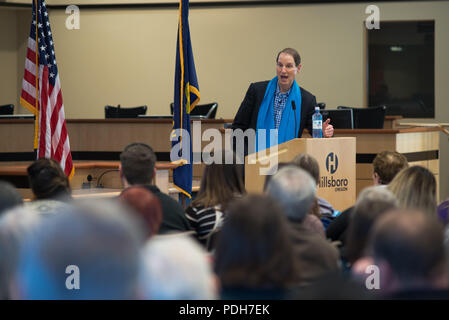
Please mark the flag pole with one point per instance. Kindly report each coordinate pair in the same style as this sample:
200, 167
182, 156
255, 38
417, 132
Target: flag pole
181, 58
36, 115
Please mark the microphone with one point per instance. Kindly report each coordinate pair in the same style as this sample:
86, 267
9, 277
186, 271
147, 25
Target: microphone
294, 112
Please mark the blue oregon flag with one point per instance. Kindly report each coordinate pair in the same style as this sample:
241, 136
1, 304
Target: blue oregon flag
187, 96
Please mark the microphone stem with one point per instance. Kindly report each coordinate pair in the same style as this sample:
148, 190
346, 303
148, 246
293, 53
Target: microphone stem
294, 112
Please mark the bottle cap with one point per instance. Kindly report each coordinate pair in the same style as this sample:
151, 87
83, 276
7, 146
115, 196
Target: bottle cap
317, 108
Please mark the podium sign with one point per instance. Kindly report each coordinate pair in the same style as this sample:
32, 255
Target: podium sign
335, 156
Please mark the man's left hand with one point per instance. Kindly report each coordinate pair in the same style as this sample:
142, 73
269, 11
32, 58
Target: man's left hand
328, 129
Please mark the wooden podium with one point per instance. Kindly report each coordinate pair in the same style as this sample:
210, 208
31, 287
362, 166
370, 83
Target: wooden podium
335, 156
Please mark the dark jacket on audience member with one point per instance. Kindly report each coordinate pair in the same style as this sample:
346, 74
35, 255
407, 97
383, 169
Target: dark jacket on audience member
317, 257
173, 215
337, 229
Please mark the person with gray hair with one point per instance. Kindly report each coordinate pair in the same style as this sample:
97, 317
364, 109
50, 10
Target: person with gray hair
295, 190
89, 252
321, 208
175, 267
310, 221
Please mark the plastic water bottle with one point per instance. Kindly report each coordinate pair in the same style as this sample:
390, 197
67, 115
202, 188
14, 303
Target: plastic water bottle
317, 124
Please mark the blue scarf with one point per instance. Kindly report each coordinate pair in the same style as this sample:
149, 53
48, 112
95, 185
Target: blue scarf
265, 117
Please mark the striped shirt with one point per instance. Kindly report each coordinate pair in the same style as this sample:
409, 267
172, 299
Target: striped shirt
205, 221
280, 100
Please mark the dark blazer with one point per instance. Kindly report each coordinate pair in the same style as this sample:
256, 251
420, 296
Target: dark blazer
246, 117
173, 215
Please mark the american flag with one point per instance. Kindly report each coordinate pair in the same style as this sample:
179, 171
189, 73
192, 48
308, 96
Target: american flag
51, 137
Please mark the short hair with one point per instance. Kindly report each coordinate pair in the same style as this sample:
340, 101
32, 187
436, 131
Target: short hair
291, 52
97, 236
415, 188
48, 180
411, 243
145, 205
138, 161
387, 164
254, 249
9, 196
309, 163
175, 267
295, 190
272, 171
371, 204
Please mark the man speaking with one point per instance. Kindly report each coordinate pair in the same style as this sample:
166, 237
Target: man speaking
280, 103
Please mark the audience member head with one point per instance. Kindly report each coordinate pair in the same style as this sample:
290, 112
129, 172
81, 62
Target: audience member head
308, 163
415, 188
371, 204
408, 248
175, 267
137, 164
98, 241
386, 165
48, 180
254, 248
15, 225
220, 183
146, 205
295, 191
273, 171
9, 196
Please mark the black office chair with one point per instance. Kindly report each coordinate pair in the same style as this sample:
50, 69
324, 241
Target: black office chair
118, 112
367, 118
7, 109
340, 118
321, 105
203, 111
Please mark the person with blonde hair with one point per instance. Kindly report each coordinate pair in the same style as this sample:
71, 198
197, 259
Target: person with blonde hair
415, 188
386, 165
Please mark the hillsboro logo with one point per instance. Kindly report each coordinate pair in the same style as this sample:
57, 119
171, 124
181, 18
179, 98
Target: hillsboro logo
331, 163
331, 182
